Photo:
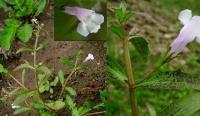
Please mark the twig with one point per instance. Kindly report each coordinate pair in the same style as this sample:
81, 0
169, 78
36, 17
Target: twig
19, 83
95, 113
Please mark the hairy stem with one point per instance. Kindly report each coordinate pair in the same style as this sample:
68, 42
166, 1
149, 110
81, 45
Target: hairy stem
131, 78
35, 56
69, 76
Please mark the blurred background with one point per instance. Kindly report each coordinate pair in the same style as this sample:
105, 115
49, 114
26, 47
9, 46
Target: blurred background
65, 25
157, 21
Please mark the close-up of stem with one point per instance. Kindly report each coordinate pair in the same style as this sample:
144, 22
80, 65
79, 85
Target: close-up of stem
131, 78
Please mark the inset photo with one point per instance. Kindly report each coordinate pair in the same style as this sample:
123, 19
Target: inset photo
80, 20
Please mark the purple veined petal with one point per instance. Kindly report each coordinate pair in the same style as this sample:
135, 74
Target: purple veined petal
80, 13
82, 29
187, 34
185, 16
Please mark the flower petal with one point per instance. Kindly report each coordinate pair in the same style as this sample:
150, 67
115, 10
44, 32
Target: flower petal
97, 18
185, 16
92, 27
82, 29
198, 39
80, 13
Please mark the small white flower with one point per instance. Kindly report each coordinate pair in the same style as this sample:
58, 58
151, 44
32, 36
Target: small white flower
15, 106
90, 21
89, 57
34, 21
189, 32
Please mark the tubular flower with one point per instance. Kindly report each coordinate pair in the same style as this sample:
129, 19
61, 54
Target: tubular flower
90, 21
89, 57
189, 32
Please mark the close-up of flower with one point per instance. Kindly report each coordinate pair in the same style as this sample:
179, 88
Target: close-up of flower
90, 21
189, 32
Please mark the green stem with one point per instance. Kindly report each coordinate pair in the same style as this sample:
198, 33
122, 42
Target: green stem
131, 79
35, 57
69, 77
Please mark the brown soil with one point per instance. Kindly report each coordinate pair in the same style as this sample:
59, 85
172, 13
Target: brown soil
88, 83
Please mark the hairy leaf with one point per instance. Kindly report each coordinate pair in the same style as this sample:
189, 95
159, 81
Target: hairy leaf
40, 7
70, 90
2, 69
7, 35
177, 80
61, 77
141, 45
56, 105
116, 69
118, 31
4, 5
24, 32
22, 97
24, 66
183, 107
68, 62
21, 110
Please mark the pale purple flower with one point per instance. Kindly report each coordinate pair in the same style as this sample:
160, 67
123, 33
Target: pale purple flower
189, 32
90, 21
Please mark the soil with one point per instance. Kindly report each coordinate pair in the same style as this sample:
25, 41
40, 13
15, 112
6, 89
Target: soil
88, 83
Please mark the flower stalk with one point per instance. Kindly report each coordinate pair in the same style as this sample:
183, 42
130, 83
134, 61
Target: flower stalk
35, 55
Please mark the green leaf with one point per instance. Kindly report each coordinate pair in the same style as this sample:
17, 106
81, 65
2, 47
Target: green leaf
72, 106
86, 107
183, 107
116, 69
127, 16
68, 62
7, 35
21, 110
42, 44
119, 14
38, 106
44, 86
123, 6
141, 45
118, 31
24, 66
4, 5
55, 81
40, 7
24, 50
30, 4
22, 97
56, 105
61, 77
44, 70
177, 80
70, 90
24, 32
2, 69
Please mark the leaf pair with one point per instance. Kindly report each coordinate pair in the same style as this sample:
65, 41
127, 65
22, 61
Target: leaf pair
12, 30
122, 14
